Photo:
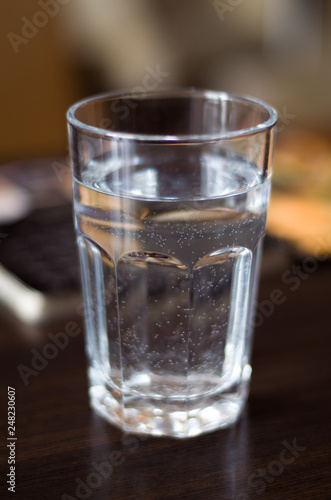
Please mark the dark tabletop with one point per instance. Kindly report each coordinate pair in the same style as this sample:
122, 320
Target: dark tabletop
280, 449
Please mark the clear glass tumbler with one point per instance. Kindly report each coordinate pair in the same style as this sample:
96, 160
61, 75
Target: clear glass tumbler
171, 190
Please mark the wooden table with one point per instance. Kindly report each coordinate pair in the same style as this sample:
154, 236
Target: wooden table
280, 449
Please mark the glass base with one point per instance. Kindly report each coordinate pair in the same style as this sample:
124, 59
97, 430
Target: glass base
177, 418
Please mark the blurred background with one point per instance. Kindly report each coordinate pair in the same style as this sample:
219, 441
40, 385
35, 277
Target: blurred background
55, 52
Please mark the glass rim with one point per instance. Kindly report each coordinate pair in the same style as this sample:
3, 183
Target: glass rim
175, 93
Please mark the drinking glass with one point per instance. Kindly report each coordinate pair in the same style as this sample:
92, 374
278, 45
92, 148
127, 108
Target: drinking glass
171, 189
